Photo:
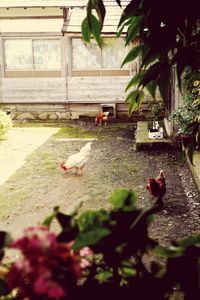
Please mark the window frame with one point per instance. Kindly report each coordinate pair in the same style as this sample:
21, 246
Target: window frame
75, 72
32, 72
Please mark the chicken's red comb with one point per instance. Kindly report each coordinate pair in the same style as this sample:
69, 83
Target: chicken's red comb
62, 165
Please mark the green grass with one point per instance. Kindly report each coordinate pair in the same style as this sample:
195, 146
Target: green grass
76, 132
119, 126
8, 202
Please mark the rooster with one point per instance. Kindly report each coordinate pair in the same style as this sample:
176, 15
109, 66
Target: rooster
78, 160
157, 186
101, 118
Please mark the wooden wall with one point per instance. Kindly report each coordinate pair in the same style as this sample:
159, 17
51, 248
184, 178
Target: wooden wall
75, 89
97, 89
27, 90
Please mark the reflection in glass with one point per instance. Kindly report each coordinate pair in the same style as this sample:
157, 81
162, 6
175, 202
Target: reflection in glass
46, 54
113, 53
85, 56
18, 54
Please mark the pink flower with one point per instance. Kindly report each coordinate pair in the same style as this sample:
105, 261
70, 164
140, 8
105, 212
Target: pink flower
85, 251
44, 286
84, 263
47, 268
41, 285
35, 238
56, 291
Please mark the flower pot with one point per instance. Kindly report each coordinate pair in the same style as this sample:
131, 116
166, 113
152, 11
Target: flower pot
186, 139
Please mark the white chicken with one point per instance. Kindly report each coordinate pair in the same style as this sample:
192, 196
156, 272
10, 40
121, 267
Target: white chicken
78, 160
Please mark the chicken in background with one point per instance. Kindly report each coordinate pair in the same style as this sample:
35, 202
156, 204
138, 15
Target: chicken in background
157, 186
101, 118
78, 160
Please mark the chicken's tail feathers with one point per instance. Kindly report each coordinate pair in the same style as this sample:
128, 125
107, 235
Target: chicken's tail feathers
87, 147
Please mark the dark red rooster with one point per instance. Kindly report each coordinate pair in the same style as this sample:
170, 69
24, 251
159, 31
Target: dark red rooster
157, 186
101, 118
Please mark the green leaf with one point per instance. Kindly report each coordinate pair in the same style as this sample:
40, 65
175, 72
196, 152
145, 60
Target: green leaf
151, 74
131, 96
120, 30
101, 11
134, 99
90, 237
64, 220
90, 6
85, 30
96, 29
134, 28
123, 199
149, 56
104, 277
190, 241
47, 222
133, 8
89, 219
135, 80
164, 81
133, 53
128, 271
168, 252
151, 88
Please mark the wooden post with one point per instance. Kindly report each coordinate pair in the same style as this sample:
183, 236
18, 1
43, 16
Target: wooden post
1, 69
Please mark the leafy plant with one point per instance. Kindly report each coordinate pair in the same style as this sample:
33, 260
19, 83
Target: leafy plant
166, 41
98, 253
5, 124
187, 118
156, 110
184, 116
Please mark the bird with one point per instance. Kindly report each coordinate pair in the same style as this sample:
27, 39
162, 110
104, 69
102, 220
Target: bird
78, 160
101, 118
157, 186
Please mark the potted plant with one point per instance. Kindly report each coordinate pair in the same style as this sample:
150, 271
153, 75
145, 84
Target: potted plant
156, 112
183, 117
188, 121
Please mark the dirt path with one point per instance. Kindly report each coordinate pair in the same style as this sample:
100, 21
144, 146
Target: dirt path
19, 144
39, 185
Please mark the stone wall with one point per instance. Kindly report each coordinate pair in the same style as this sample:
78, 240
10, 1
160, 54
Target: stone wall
67, 111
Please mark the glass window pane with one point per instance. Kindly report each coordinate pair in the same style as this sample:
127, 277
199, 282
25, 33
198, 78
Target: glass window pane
113, 53
46, 54
18, 54
85, 56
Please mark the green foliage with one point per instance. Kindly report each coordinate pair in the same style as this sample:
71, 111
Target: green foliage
183, 116
187, 118
123, 199
156, 110
5, 124
134, 99
166, 40
119, 241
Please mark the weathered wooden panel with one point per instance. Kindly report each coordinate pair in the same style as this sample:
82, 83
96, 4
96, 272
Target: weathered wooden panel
102, 89
33, 90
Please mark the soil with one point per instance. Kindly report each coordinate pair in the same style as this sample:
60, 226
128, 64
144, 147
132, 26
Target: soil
30, 194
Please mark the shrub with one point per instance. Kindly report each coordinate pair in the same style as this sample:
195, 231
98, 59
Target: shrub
100, 253
5, 124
